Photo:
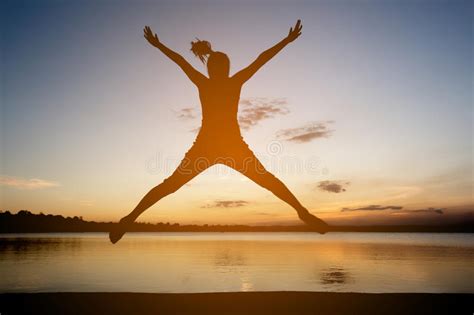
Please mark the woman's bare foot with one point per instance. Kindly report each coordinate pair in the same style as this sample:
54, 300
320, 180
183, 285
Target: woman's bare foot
119, 229
319, 225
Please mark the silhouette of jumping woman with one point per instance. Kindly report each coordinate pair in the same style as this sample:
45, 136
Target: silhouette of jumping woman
219, 140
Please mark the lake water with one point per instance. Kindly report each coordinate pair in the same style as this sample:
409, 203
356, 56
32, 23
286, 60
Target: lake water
220, 262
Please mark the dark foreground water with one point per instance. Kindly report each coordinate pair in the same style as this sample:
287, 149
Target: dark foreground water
220, 262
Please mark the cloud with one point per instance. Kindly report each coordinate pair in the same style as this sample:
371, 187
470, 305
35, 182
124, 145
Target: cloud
397, 209
265, 214
306, 133
427, 210
226, 204
195, 130
21, 183
253, 110
373, 208
188, 113
333, 186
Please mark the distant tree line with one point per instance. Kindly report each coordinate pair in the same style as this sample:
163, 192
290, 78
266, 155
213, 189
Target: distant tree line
26, 222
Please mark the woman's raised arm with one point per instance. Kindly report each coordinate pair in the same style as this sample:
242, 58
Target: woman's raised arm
195, 76
246, 73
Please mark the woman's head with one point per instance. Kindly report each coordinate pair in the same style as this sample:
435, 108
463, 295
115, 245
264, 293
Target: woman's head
218, 64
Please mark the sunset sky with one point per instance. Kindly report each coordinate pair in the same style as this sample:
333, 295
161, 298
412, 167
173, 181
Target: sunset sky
367, 117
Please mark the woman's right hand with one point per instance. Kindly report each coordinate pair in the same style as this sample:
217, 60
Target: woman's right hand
295, 32
150, 36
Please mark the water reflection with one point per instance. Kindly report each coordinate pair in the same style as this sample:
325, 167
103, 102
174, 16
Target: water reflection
21, 247
209, 262
228, 258
334, 276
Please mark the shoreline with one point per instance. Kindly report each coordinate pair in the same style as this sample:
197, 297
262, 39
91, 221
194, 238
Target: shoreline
27, 222
470, 231
236, 303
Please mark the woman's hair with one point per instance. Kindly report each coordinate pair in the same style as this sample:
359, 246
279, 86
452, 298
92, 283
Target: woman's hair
218, 64
201, 49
